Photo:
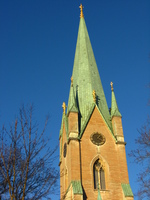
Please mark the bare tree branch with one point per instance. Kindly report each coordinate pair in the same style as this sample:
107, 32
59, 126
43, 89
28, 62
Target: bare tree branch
26, 160
141, 156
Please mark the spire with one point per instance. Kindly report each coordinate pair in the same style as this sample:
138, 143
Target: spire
86, 77
72, 102
114, 106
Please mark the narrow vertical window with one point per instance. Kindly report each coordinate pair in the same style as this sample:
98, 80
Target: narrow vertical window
102, 179
98, 175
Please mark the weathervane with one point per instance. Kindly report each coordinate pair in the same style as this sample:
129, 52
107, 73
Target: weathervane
111, 86
81, 11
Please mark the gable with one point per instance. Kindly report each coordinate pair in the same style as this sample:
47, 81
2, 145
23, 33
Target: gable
96, 123
98, 118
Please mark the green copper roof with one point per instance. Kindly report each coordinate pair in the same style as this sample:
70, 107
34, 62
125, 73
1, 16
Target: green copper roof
114, 106
87, 119
77, 188
86, 78
61, 128
72, 106
127, 190
64, 120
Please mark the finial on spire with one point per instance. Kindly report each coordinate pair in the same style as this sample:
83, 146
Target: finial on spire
81, 11
111, 86
94, 96
64, 107
71, 81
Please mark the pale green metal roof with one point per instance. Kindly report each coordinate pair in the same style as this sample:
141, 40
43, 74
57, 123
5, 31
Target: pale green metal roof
127, 190
87, 119
72, 106
86, 79
61, 128
64, 120
77, 188
114, 106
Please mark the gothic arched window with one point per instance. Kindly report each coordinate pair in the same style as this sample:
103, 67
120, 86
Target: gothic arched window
98, 175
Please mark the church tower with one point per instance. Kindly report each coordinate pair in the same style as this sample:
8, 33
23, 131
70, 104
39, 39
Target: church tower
92, 148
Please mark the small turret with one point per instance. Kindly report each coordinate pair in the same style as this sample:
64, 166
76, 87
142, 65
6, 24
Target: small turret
116, 118
72, 113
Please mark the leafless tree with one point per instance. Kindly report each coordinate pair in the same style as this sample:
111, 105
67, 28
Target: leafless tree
26, 160
141, 156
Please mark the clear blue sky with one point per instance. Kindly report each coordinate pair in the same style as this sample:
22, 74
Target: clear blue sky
37, 47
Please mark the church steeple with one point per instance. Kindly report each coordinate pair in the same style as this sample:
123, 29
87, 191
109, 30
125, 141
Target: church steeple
86, 77
92, 147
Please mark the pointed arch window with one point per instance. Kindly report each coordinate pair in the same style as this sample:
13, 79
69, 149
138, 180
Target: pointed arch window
99, 175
